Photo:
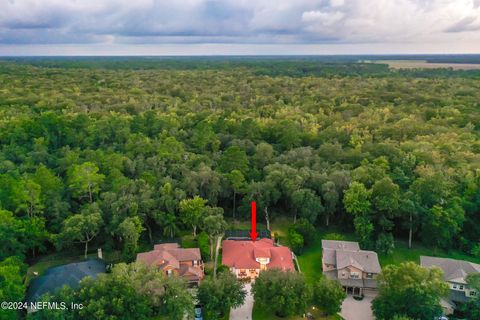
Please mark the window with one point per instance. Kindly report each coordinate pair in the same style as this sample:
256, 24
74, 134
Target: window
461, 287
454, 286
473, 293
354, 275
369, 275
195, 263
169, 272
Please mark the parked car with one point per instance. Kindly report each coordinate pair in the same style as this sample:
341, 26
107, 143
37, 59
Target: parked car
198, 312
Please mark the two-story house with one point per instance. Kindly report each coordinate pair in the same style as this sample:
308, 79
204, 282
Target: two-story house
455, 272
247, 259
173, 260
354, 268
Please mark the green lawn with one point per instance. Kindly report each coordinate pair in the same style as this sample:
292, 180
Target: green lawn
263, 314
402, 253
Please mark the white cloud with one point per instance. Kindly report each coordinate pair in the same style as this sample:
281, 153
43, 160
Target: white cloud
240, 21
337, 3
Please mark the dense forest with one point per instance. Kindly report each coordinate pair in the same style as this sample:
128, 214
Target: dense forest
104, 154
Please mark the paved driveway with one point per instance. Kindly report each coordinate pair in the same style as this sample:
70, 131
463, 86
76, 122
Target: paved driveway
244, 312
357, 310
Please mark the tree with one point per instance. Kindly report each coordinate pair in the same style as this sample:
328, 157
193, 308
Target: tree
214, 225
51, 196
330, 197
441, 224
357, 202
169, 224
306, 229
84, 180
307, 204
218, 296
129, 231
237, 181
328, 295
34, 233
166, 295
357, 199
234, 158
295, 240
409, 210
12, 288
204, 138
471, 309
130, 291
33, 203
385, 197
10, 232
265, 194
81, 228
263, 155
411, 290
283, 293
191, 211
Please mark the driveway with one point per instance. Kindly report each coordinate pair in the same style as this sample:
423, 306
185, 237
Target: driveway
244, 312
357, 310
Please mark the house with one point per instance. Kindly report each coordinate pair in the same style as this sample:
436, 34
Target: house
247, 259
355, 269
173, 260
65, 275
455, 272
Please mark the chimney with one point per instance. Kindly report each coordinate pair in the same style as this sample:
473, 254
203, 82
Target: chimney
99, 253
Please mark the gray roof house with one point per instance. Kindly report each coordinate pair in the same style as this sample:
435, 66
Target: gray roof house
354, 268
455, 273
57, 277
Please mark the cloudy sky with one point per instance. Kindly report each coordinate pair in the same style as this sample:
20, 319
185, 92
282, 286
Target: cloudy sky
213, 27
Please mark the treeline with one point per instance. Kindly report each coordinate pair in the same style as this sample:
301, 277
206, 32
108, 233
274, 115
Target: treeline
289, 66
117, 151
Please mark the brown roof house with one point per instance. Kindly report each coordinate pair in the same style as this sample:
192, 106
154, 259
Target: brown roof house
173, 260
247, 259
354, 268
455, 273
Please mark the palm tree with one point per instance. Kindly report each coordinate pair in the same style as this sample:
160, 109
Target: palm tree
170, 227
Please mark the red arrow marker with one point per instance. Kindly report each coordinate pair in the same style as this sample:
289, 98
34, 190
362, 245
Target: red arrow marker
253, 233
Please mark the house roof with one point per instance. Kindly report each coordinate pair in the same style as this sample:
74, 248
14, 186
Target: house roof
242, 254
167, 254
340, 245
69, 274
366, 261
347, 253
453, 270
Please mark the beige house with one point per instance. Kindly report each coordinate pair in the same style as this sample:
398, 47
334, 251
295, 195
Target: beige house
173, 260
355, 269
455, 272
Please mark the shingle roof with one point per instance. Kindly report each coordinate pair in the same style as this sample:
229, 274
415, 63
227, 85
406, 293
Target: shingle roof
69, 274
347, 253
367, 261
340, 245
169, 254
453, 270
241, 254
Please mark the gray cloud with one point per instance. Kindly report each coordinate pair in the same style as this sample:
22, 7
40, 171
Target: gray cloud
126, 22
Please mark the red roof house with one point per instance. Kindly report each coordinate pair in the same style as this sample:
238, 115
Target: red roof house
247, 258
169, 257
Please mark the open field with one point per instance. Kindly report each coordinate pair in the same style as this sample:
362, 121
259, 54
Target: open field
423, 64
